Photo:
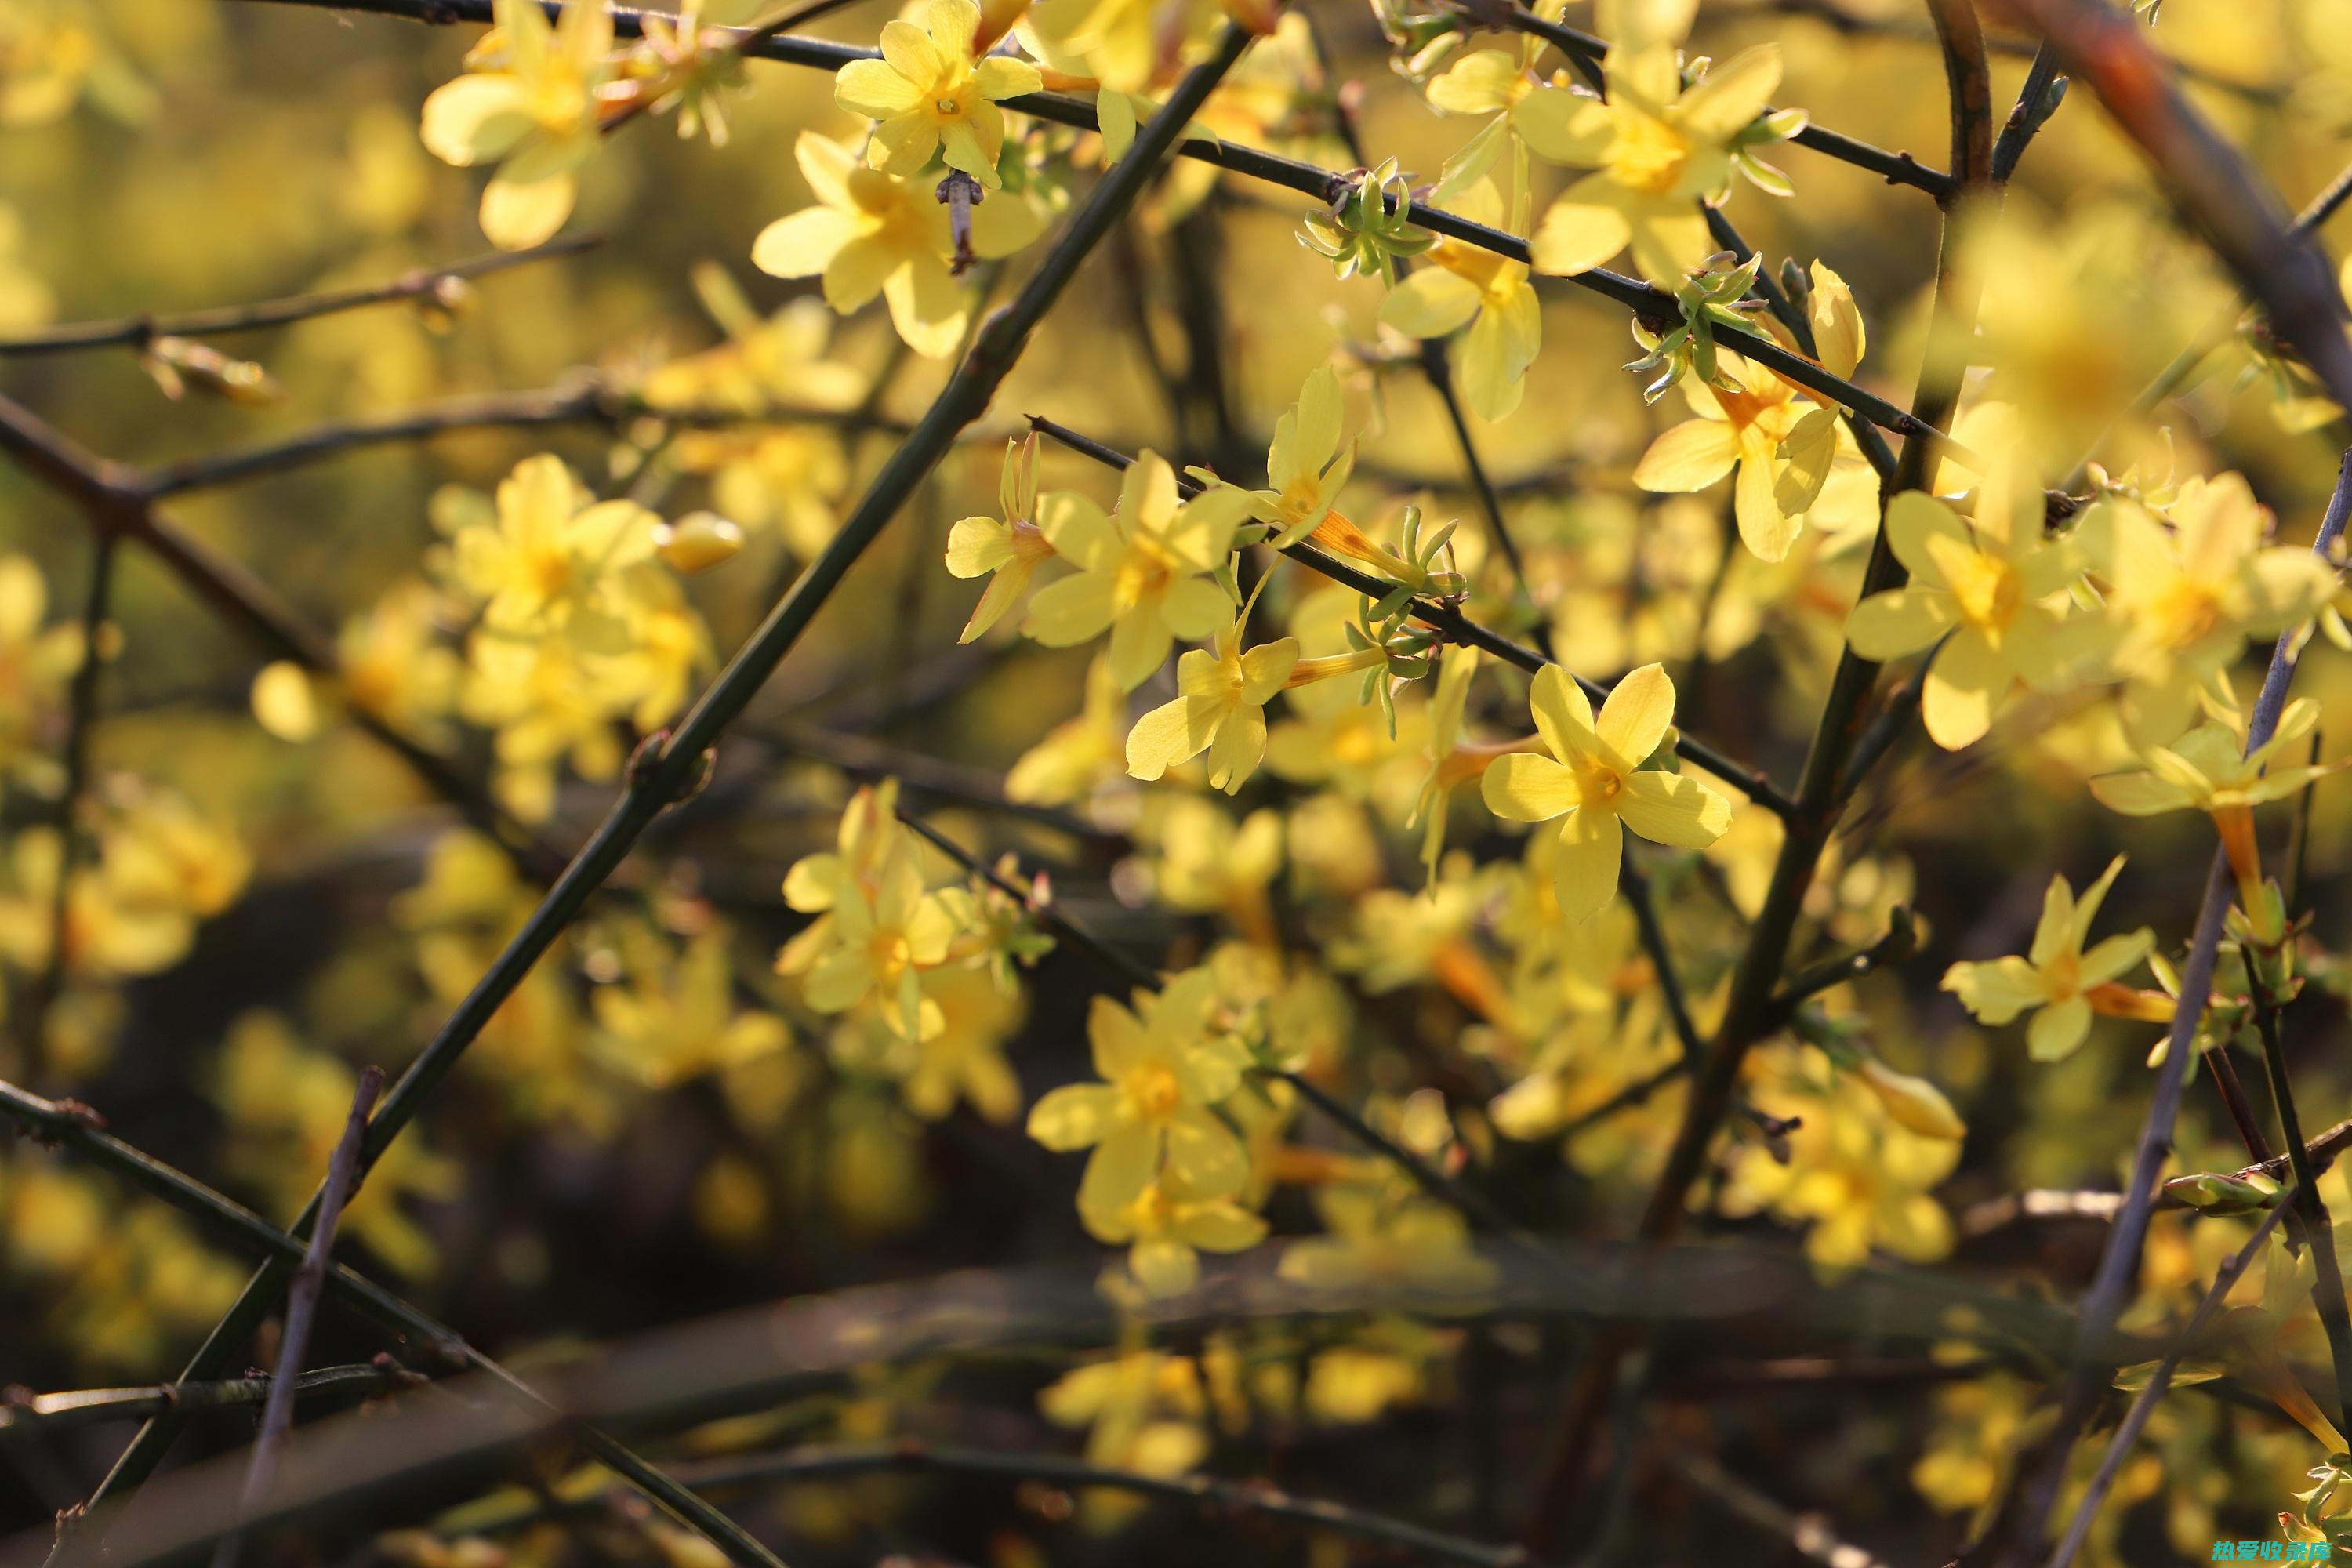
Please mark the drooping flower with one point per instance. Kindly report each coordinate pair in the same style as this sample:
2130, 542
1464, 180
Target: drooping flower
873, 233
1468, 286
1142, 573
1007, 550
2209, 769
2058, 977
1997, 588
1592, 780
1655, 150
534, 113
932, 97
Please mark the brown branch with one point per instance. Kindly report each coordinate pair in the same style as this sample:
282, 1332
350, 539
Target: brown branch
302, 1306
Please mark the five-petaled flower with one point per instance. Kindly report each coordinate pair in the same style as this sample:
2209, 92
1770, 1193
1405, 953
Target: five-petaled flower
931, 98
1164, 1072
1305, 467
2058, 975
535, 114
873, 233
1220, 708
1655, 150
1595, 782
1142, 572
1997, 588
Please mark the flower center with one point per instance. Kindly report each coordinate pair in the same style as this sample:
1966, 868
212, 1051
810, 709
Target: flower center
1155, 1092
1987, 590
1649, 155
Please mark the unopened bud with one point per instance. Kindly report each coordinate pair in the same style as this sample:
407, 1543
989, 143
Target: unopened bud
700, 540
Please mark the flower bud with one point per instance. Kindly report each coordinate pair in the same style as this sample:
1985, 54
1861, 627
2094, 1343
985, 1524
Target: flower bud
1914, 1102
700, 540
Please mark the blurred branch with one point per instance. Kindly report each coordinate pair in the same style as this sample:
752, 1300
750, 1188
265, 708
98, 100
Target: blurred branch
137, 332
585, 402
76, 1126
2143, 1404
302, 1307
1212, 1495
1804, 1531
22, 1411
671, 764
113, 498
1323, 184
1457, 627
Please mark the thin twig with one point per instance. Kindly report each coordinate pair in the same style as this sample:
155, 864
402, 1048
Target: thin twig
137, 332
1643, 299
24, 1412
1457, 627
1803, 1532
76, 1127
302, 1306
2134, 1419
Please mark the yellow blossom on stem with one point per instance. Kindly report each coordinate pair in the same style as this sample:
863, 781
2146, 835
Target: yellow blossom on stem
1305, 467
536, 115
932, 98
882, 939
1220, 708
549, 561
1782, 443
1996, 589
1005, 550
2059, 978
1142, 573
1590, 782
1489, 294
1164, 1072
1655, 152
2209, 769
873, 233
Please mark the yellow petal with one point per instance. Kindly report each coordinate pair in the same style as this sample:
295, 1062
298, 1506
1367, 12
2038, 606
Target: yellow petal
1525, 787
1667, 808
1690, 457
1635, 716
1592, 852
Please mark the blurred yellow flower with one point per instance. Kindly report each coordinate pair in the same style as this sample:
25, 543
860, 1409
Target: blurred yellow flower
534, 114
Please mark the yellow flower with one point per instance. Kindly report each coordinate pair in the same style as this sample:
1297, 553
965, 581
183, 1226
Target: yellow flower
676, 1017
1221, 709
1655, 150
882, 940
1006, 549
873, 233
1751, 427
1590, 781
1169, 1226
1143, 1410
1490, 294
536, 114
1142, 573
1163, 1073
2057, 975
550, 563
1497, 83
2187, 598
2209, 769
1996, 588
1305, 467
931, 96
965, 1059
